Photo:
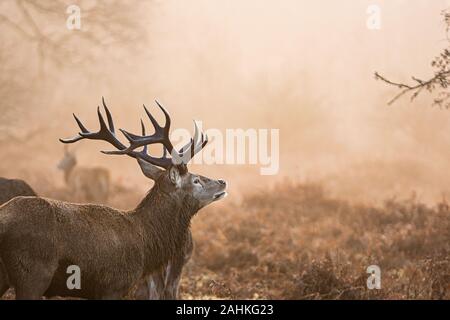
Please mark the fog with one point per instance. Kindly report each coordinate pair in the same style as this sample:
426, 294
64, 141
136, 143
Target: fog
303, 67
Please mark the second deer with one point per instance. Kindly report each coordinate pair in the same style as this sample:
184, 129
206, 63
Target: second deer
85, 184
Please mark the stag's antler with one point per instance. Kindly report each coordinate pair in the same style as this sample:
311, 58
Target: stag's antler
161, 135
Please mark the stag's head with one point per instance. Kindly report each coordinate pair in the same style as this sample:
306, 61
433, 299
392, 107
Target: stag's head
170, 173
68, 161
179, 182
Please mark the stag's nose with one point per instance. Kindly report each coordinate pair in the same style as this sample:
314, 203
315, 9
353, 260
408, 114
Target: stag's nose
222, 182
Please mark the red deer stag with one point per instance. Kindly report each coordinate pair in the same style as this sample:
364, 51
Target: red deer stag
40, 238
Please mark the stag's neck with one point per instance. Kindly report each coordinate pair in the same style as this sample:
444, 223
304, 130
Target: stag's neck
165, 222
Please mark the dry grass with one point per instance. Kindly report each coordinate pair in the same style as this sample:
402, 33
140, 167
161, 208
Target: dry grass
296, 242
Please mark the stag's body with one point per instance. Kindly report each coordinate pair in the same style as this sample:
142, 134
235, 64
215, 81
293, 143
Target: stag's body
10, 188
40, 238
113, 249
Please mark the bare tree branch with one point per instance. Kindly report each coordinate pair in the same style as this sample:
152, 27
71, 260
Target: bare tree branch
439, 82
36, 42
104, 23
438, 79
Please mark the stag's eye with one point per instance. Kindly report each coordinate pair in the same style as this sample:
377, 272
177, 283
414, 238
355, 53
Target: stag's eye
197, 181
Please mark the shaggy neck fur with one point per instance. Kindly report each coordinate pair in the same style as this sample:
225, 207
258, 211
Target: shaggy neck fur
165, 220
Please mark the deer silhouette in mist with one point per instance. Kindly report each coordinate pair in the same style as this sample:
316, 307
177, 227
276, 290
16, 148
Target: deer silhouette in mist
90, 184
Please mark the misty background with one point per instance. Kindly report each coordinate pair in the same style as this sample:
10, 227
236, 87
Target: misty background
301, 66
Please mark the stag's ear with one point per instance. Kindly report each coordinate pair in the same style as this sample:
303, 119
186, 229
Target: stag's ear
149, 170
174, 175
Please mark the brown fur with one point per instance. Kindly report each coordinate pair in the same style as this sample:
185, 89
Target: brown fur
40, 238
10, 188
164, 284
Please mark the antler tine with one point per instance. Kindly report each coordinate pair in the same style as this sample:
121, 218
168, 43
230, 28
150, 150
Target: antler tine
143, 133
161, 134
77, 137
194, 145
166, 114
80, 124
132, 138
188, 151
205, 141
187, 146
108, 116
103, 126
199, 146
71, 140
152, 119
